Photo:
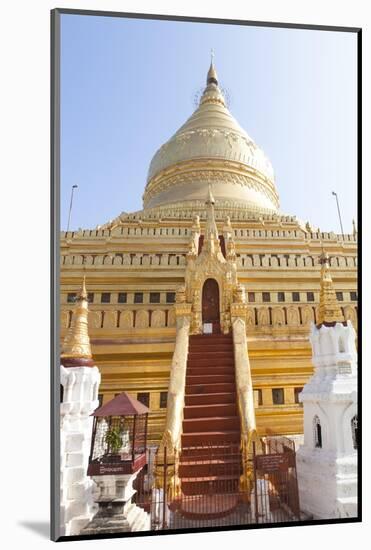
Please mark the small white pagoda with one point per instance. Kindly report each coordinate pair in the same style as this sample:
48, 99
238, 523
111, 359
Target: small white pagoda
327, 462
80, 379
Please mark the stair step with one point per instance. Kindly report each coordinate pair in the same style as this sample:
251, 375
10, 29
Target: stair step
208, 507
216, 423
215, 354
210, 398
201, 370
196, 479
205, 468
212, 347
201, 471
235, 459
215, 367
214, 409
211, 342
205, 353
210, 363
210, 355
194, 380
221, 335
201, 452
211, 388
210, 484
198, 458
209, 438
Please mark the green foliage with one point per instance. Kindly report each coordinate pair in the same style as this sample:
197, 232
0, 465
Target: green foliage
114, 440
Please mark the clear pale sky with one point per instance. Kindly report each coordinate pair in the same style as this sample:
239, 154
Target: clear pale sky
127, 85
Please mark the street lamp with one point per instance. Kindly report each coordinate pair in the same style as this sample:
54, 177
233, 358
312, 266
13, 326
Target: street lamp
337, 203
69, 214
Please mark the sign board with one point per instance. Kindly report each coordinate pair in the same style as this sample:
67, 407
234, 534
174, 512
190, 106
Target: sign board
97, 468
208, 328
274, 462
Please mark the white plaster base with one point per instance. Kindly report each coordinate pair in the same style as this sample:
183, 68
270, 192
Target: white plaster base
80, 399
117, 513
327, 484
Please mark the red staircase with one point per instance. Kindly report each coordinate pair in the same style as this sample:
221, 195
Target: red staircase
210, 464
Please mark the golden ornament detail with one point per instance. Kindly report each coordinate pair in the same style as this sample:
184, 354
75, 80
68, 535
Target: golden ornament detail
329, 309
76, 350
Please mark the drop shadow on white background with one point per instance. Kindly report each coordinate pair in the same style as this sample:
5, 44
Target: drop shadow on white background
41, 528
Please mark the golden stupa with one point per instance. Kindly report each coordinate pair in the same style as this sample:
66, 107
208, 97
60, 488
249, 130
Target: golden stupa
136, 263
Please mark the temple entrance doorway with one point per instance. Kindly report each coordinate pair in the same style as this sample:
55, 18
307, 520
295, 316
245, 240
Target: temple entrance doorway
210, 306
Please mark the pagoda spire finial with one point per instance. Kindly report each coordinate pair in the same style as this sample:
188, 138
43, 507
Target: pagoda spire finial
76, 350
212, 93
212, 77
329, 309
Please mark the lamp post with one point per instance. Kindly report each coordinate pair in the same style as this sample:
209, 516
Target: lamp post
337, 203
71, 201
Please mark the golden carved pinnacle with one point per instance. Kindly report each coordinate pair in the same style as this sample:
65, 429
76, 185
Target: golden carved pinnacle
212, 92
211, 243
329, 309
212, 76
77, 343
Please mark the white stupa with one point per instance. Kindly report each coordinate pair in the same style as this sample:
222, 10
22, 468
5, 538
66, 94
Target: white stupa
327, 462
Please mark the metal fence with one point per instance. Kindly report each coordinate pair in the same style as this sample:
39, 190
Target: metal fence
212, 494
275, 495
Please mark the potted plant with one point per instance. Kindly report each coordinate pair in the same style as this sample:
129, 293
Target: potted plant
114, 442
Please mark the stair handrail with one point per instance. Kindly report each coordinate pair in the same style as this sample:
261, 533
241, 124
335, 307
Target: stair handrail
171, 439
245, 395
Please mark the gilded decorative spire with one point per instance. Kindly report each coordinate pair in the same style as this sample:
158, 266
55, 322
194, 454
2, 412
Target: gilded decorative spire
212, 92
76, 351
211, 231
329, 309
212, 77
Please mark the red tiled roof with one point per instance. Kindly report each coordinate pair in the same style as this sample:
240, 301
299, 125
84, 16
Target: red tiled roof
121, 405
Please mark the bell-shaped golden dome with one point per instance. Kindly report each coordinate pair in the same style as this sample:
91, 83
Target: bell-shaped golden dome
211, 147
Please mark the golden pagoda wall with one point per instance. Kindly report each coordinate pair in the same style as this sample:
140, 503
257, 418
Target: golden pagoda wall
132, 343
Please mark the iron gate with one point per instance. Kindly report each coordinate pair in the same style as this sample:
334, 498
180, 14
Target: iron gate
275, 495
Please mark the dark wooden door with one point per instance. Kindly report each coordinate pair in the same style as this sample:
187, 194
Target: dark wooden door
210, 302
